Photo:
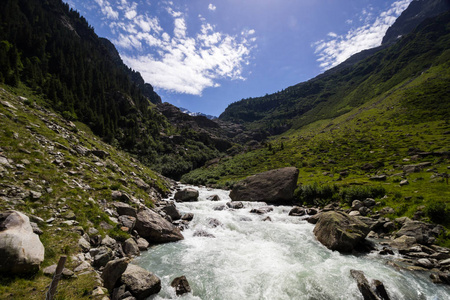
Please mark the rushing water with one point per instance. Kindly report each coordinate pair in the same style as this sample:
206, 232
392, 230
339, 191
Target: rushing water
254, 259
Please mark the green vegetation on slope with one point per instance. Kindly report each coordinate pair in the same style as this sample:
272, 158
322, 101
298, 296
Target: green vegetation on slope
337, 158
50, 48
45, 156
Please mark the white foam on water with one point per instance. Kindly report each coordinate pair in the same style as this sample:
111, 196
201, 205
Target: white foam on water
279, 259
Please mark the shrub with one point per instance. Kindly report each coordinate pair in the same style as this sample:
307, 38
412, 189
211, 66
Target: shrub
316, 195
361, 192
438, 212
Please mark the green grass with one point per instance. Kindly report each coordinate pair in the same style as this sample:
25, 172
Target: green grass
26, 139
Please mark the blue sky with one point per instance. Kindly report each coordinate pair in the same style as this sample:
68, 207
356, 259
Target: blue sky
205, 54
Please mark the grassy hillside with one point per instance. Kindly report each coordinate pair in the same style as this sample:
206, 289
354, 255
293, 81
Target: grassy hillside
48, 172
408, 124
338, 91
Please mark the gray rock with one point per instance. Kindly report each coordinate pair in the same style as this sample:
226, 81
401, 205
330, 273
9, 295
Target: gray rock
21, 251
220, 207
128, 221
50, 271
84, 244
369, 202
415, 168
404, 182
109, 242
187, 217
235, 204
140, 282
131, 248
357, 204
386, 211
36, 228
103, 256
187, 194
141, 184
363, 285
339, 231
113, 271
425, 262
84, 265
124, 209
155, 228
213, 223
421, 232
171, 210
380, 290
35, 195
262, 210
181, 285
213, 198
203, 233
142, 244
297, 211
273, 186
378, 178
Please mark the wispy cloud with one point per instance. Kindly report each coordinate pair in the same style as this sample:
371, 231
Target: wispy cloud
212, 7
178, 60
337, 48
107, 9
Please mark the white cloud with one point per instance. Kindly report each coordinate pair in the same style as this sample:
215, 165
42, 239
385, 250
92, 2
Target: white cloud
212, 7
337, 48
107, 9
178, 60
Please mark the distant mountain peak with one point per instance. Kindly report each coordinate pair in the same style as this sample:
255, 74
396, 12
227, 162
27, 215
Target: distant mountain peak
195, 114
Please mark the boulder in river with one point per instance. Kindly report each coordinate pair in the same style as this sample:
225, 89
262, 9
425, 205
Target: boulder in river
181, 285
275, 186
187, 194
339, 231
155, 228
21, 251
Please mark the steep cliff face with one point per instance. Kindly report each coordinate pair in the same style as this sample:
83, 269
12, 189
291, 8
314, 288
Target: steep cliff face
417, 11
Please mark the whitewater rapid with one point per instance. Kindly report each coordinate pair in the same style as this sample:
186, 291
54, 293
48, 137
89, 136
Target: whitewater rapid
279, 259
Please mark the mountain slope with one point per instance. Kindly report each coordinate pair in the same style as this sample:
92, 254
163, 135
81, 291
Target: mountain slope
339, 90
49, 47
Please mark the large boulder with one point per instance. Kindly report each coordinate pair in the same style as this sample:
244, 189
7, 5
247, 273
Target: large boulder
187, 194
271, 186
113, 271
339, 231
140, 282
21, 251
155, 228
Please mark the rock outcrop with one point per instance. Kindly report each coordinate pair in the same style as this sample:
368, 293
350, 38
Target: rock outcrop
339, 231
275, 186
155, 228
21, 251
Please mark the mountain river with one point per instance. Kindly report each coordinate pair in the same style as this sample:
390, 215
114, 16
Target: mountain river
280, 259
